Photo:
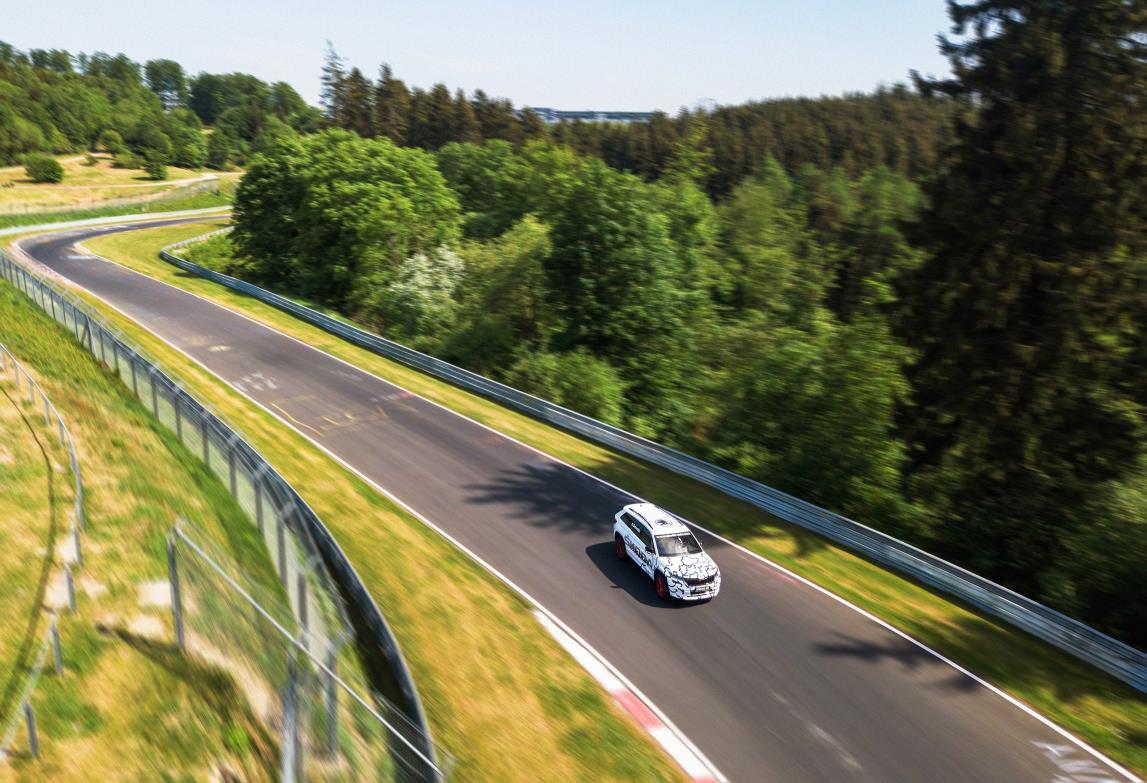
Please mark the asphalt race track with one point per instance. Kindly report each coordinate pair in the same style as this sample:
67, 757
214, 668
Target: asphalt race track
773, 680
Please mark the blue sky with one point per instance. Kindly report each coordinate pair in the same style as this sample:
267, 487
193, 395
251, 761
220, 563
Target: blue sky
624, 54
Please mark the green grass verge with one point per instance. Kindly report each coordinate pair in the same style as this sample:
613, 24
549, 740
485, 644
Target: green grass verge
34, 500
1104, 712
128, 706
501, 695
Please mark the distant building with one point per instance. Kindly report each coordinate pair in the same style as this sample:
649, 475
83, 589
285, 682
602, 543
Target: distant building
550, 116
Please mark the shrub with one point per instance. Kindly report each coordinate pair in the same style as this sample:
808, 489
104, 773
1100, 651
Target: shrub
111, 141
90, 159
127, 160
155, 167
43, 168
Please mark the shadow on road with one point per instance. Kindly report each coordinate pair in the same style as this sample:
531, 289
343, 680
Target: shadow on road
546, 494
625, 575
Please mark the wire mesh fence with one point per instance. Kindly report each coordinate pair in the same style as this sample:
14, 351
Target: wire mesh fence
319, 586
20, 710
328, 725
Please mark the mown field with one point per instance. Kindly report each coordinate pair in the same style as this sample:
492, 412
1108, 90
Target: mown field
1104, 712
89, 188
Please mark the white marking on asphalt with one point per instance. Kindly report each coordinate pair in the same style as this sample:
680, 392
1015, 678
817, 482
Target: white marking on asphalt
1075, 770
1127, 774
219, 348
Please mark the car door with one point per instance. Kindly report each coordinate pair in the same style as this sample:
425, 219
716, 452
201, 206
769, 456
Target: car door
644, 553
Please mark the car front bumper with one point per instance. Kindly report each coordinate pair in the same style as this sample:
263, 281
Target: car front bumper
683, 592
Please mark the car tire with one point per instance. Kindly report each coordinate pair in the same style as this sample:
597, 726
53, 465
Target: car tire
619, 547
661, 586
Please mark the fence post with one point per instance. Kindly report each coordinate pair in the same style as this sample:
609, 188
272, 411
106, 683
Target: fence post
134, 383
231, 470
206, 441
47, 410
57, 657
332, 705
70, 587
282, 548
33, 738
176, 594
154, 396
258, 482
301, 581
76, 544
290, 759
178, 417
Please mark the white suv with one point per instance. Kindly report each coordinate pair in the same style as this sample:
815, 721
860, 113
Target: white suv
665, 549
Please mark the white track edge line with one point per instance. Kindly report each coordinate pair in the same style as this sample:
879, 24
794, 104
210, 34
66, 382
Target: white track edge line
1031, 711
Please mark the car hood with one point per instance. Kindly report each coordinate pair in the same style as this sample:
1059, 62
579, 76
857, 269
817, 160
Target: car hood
689, 566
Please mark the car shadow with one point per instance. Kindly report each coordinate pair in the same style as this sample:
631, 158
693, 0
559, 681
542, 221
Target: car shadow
625, 575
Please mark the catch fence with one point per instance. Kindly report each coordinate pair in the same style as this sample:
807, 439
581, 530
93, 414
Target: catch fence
328, 604
1109, 654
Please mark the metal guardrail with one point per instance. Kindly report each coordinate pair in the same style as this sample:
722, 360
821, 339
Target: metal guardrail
267, 497
22, 710
1111, 655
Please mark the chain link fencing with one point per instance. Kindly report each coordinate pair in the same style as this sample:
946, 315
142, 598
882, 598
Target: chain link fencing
1120, 660
324, 606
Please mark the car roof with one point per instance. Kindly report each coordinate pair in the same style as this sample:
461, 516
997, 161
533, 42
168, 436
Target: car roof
660, 521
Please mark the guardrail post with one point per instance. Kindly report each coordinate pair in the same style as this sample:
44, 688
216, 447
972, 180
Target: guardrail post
57, 657
76, 543
176, 594
33, 737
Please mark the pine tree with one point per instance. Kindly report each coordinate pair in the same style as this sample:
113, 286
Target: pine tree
1021, 314
333, 78
466, 126
391, 106
356, 112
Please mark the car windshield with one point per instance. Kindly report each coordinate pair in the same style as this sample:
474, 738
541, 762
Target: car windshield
678, 544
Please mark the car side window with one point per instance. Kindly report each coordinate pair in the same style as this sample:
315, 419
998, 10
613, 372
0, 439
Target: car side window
644, 534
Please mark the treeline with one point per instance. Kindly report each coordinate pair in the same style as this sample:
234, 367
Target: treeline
960, 363
54, 102
895, 128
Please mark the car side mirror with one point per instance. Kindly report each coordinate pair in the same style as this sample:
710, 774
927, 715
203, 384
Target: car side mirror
648, 549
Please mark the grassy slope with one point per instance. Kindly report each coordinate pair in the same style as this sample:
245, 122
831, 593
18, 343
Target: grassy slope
126, 692
1104, 712
502, 696
33, 502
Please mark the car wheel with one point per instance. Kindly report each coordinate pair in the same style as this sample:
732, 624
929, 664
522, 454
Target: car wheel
619, 546
661, 586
